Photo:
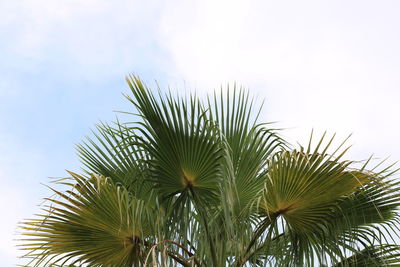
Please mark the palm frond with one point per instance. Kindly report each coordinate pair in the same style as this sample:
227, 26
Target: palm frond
303, 186
248, 142
385, 255
185, 155
325, 207
95, 222
114, 153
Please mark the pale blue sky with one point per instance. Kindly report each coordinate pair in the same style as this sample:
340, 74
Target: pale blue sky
328, 65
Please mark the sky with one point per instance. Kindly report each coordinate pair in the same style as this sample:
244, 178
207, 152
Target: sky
322, 65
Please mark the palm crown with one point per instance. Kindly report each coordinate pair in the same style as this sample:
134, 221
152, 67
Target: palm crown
203, 183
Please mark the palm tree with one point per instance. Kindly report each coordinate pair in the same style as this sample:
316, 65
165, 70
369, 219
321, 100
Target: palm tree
203, 183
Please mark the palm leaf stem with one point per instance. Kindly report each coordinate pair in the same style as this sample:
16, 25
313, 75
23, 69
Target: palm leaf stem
268, 221
204, 217
179, 258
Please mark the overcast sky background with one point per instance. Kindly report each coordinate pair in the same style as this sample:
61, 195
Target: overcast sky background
327, 65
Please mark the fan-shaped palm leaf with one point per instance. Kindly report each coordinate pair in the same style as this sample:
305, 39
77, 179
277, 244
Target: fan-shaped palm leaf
97, 223
183, 146
316, 207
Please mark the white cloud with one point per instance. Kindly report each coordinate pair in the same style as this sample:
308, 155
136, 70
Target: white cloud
319, 64
17, 204
99, 37
19, 193
12, 206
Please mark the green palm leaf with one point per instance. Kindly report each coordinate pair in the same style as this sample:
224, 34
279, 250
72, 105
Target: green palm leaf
319, 208
248, 143
96, 223
185, 154
116, 156
385, 255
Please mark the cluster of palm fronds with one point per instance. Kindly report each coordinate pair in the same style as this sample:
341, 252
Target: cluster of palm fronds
203, 183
